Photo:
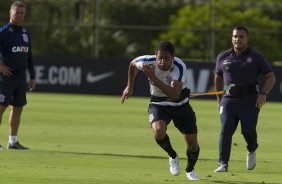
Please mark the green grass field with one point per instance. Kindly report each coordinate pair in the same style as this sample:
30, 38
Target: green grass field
77, 139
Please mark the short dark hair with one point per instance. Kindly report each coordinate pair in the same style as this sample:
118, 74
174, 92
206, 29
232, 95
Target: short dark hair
165, 46
243, 28
17, 4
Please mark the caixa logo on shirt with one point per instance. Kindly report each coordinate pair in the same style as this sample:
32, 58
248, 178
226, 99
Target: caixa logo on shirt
20, 49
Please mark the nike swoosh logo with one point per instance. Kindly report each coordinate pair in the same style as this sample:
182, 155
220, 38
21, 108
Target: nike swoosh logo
95, 78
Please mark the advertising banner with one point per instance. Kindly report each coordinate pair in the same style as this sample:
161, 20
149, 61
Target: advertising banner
109, 77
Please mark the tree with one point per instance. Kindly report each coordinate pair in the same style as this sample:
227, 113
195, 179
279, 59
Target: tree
190, 29
59, 31
127, 29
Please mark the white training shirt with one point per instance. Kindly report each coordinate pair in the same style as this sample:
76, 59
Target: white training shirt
177, 72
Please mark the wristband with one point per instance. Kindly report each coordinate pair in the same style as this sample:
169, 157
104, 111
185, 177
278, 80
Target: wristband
262, 93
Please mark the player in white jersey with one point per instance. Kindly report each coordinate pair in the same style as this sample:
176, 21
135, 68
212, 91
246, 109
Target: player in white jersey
169, 101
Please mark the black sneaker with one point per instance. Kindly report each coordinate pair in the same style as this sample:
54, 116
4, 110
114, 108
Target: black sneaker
17, 145
2, 148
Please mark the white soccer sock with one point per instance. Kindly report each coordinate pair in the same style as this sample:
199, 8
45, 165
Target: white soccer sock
12, 139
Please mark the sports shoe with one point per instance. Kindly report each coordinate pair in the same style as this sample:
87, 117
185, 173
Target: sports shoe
251, 160
174, 166
192, 175
1, 148
221, 168
17, 145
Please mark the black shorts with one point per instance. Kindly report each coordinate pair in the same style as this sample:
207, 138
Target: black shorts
183, 116
13, 90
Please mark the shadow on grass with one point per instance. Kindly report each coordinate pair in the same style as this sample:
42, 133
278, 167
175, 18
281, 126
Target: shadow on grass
120, 155
238, 182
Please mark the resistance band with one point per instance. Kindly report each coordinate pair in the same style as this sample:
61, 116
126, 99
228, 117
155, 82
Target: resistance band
208, 93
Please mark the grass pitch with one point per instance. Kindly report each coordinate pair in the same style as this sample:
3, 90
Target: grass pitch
96, 139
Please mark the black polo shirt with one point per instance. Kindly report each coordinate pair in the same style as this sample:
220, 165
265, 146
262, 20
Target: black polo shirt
15, 47
242, 70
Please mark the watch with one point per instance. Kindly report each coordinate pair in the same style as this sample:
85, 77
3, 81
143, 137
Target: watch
262, 93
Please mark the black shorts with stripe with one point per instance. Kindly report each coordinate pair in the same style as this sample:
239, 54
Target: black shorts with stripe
183, 116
